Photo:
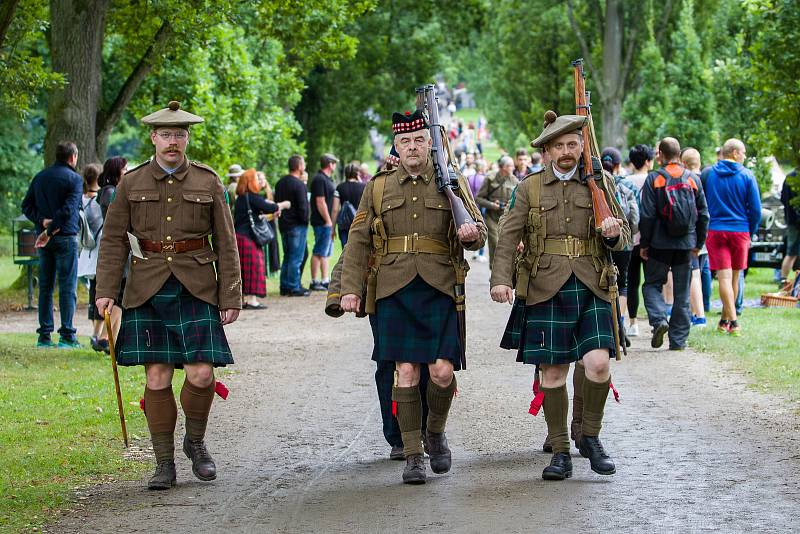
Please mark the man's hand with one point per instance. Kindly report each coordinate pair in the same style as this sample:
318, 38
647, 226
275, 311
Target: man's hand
351, 303
104, 304
468, 233
696, 252
228, 316
643, 253
42, 240
46, 222
502, 294
520, 247
611, 227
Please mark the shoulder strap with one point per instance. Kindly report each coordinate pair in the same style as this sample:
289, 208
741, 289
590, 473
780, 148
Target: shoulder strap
379, 182
534, 190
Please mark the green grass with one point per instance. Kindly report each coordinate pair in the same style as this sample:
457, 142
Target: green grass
767, 351
273, 281
59, 427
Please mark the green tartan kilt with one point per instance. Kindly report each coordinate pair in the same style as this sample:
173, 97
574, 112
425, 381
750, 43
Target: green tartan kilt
418, 324
562, 329
173, 327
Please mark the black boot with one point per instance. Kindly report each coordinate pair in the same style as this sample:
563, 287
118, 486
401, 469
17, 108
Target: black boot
439, 452
547, 446
592, 449
203, 465
414, 473
397, 453
560, 467
164, 476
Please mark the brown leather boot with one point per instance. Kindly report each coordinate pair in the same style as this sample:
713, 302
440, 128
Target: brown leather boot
164, 477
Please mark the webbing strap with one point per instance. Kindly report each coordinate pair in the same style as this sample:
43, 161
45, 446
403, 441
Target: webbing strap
415, 244
568, 246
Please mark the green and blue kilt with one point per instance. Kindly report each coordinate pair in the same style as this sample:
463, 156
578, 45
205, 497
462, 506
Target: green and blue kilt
173, 327
418, 324
562, 329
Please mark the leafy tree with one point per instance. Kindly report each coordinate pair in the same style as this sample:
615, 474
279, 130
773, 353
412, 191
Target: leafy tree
691, 117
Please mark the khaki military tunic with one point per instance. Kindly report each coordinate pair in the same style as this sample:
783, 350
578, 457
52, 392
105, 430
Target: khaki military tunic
411, 205
496, 188
155, 206
566, 207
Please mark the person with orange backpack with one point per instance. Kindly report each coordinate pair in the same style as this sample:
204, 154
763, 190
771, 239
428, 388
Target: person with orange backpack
673, 225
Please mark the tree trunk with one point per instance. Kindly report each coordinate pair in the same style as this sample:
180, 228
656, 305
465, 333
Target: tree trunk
613, 76
7, 9
76, 46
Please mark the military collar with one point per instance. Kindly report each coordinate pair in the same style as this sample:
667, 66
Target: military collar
426, 175
159, 174
550, 175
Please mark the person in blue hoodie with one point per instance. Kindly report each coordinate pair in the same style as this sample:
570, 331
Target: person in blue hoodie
734, 205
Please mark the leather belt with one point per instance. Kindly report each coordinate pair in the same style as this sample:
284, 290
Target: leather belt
570, 246
173, 246
415, 244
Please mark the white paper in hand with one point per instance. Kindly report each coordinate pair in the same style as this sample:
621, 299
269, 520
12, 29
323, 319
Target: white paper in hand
136, 250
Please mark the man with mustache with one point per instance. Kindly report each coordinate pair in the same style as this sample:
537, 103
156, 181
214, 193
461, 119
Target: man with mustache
181, 289
405, 223
562, 313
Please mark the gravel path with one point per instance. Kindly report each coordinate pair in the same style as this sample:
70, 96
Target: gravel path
299, 447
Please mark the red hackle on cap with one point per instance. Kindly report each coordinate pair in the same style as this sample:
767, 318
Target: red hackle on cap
221, 390
614, 390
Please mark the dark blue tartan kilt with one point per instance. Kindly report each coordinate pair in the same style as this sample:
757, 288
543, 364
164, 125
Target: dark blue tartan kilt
173, 327
562, 329
417, 324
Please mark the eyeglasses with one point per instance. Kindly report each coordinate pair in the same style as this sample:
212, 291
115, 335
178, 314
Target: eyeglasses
166, 136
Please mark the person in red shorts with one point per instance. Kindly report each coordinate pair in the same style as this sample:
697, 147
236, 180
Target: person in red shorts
734, 205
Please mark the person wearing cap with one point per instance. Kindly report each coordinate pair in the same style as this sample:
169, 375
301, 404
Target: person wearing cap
403, 235
562, 313
493, 196
184, 285
234, 172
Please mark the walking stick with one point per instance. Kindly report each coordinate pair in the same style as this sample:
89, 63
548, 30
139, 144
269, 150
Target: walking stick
116, 376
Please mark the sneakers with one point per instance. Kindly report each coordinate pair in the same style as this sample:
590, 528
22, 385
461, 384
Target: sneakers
734, 329
658, 334
45, 342
68, 343
699, 322
414, 472
164, 477
632, 330
318, 286
723, 326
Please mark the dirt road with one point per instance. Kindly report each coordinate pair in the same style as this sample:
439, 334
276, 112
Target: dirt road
299, 447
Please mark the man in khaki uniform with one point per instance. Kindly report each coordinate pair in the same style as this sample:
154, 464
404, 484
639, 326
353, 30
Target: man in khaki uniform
405, 225
182, 287
494, 195
563, 311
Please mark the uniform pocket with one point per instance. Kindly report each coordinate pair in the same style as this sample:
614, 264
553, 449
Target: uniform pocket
393, 216
205, 256
196, 212
437, 215
144, 210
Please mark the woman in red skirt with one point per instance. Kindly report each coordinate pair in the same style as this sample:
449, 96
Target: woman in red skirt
251, 256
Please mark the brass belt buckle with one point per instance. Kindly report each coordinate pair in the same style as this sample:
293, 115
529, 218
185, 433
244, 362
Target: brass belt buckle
414, 243
571, 246
168, 246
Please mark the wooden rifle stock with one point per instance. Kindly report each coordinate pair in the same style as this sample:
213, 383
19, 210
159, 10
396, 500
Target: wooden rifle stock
590, 174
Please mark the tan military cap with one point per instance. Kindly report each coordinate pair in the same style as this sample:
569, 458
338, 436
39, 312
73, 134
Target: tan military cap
555, 126
172, 115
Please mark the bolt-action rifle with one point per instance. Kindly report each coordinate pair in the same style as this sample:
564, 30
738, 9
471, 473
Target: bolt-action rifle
591, 171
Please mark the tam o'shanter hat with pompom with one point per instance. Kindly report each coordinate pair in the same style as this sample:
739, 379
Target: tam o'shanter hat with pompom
555, 126
172, 115
408, 122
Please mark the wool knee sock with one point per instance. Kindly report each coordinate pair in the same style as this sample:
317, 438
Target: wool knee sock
196, 403
161, 412
409, 418
439, 401
556, 405
594, 402
578, 376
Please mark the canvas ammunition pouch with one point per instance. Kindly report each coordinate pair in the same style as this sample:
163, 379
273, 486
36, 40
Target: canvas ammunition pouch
536, 242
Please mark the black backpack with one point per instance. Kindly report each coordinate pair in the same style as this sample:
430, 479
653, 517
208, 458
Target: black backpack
346, 215
675, 202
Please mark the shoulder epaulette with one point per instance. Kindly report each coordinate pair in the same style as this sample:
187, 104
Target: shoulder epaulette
384, 172
203, 166
146, 162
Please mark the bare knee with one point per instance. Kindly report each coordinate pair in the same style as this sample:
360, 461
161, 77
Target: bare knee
554, 376
407, 374
159, 376
199, 374
441, 372
596, 364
